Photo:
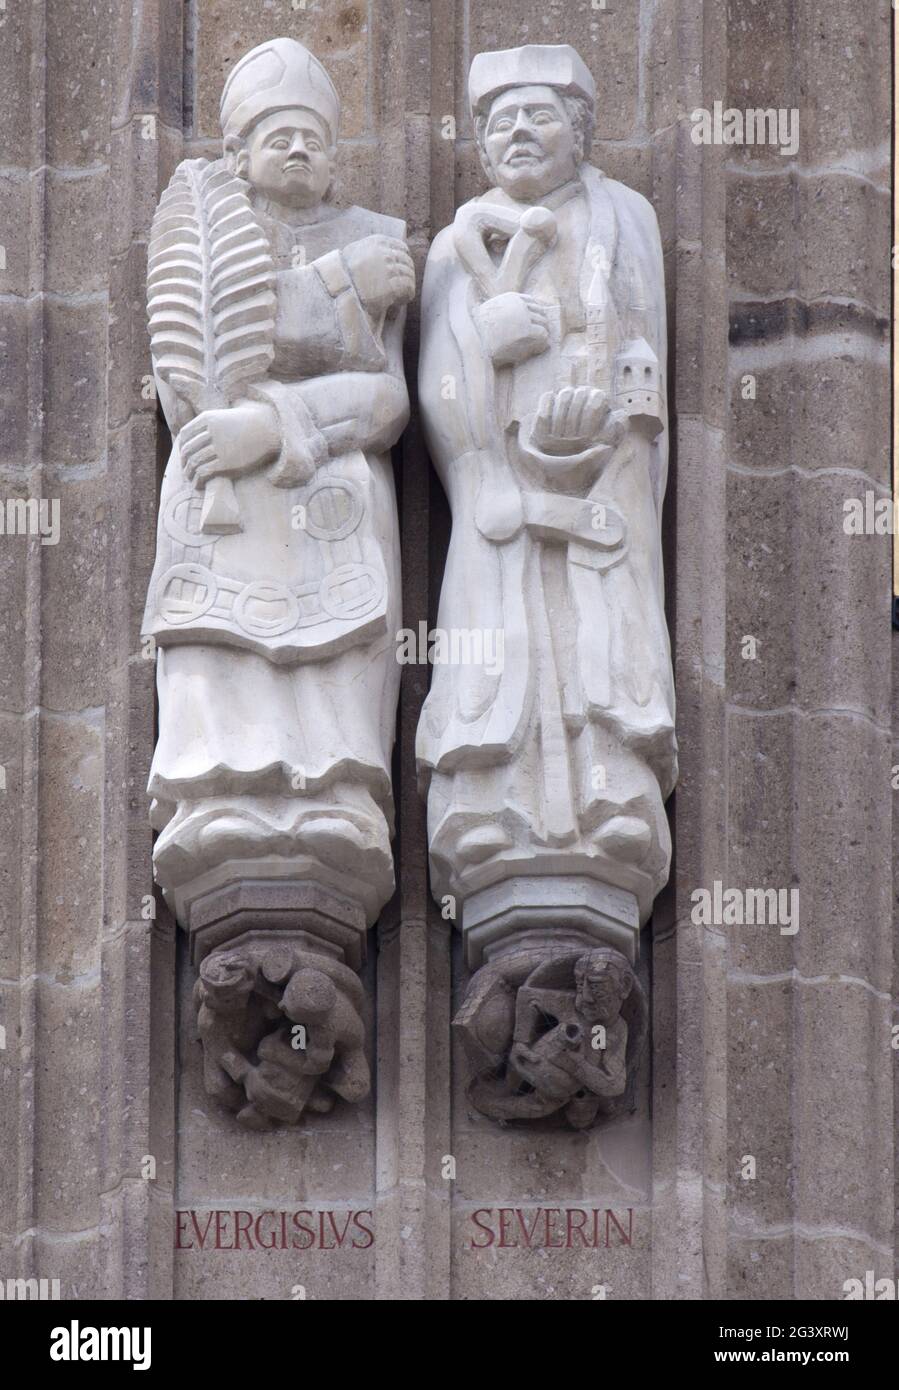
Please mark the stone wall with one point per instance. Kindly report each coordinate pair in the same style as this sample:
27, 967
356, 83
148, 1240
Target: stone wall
763, 1044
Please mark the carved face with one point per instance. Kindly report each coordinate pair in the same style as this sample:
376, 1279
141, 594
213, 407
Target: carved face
289, 159
529, 143
599, 993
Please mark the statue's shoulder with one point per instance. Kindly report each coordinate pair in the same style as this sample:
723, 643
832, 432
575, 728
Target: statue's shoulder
627, 200
368, 223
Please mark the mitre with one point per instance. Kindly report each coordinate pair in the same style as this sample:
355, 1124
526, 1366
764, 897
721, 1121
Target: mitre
535, 65
276, 75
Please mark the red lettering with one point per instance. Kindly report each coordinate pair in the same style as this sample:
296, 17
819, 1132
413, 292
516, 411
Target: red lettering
625, 1239
178, 1245
263, 1245
552, 1244
503, 1243
570, 1214
341, 1235
366, 1230
528, 1234
307, 1245
481, 1245
218, 1231
201, 1238
239, 1230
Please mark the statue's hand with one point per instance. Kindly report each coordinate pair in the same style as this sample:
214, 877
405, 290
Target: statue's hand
226, 443
382, 272
572, 420
514, 327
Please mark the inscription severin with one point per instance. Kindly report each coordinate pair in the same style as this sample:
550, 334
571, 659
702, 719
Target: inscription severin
550, 1228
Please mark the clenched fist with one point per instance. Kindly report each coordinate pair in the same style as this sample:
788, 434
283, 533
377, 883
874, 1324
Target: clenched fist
514, 327
382, 272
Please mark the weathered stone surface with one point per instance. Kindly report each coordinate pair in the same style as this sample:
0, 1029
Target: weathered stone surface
338, 35
762, 1043
74, 401
845, 236
812, 402
71, 839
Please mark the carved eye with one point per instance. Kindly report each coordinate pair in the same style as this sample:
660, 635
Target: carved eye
502, 126
313, 145
279, 144
543, 117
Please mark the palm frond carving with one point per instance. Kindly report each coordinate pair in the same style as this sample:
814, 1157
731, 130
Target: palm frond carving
211, 300
210, 281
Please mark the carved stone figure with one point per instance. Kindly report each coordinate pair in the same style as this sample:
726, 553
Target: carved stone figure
295, 1012
542, 384
276, 324
553, 1031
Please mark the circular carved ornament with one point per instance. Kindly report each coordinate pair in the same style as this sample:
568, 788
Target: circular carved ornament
266, 610
351, 591
333, 509
182, 518
186, 592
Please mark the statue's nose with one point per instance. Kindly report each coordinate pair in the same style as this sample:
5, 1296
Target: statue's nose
522, 125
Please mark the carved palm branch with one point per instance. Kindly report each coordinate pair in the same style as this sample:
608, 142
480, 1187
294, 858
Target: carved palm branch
211, 301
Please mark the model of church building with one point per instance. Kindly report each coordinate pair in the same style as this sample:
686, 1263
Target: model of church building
620, 359
637, 385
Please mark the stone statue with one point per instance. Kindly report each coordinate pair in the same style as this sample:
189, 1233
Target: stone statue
276, 323
552, 1032
542, 386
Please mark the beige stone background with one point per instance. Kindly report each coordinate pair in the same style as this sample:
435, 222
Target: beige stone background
774, 1046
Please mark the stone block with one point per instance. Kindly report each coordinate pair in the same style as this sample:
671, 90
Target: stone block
68, 1138
76, 232
813, 402
70, 831
75, 348
337, 35
74, 594
78, 83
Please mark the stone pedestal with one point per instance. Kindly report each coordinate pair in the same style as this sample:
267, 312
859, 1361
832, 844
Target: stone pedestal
549, 908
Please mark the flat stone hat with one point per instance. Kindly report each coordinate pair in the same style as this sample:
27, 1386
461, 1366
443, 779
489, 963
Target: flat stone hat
276, 75
535, 65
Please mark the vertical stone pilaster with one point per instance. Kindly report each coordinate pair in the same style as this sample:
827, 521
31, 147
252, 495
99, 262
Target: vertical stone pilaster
21, 563
413, 54
689, 995
89, 1020
138, 968
809, 806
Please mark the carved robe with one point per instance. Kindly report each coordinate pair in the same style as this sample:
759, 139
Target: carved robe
578, 725
277, 675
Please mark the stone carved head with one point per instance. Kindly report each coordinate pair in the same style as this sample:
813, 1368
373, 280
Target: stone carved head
280, 115
533, 117
603, 980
